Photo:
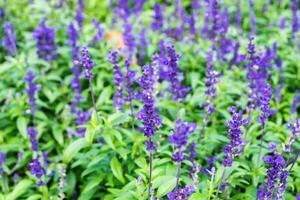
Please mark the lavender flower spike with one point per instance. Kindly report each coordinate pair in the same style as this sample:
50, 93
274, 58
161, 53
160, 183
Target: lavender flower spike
32, 89
32, 136
118, 81
148, 115
158, 18
295, 17
45, 42
236, 144
9, 39
295, 103
2, 161
36, 170
181, 193
180, 137
176, 88
87, 63
276, 172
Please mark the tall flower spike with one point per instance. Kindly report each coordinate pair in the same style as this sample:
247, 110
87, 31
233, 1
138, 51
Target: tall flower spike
295, 17
129, 39
212, 77
118, 81
87, 63
99, 32
45, 42
32, 136
31, 90
252, 17
236, 144
148, 114
295, 132
178, 91
295, 103
158, 18
36, 170
79, 17
181, 193
73, 37
179, 138
276, 172
2, 161
9, 39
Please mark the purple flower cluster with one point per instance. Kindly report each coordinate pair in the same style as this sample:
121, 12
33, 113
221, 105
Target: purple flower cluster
148, 114
99, 32
295, 132
212, 77
181, 193
2, 161
36, 170
252, 17
32, 136
158, 18
276, 172
236, 144
295, 17
9, 39
73, 38
179, 138
87, 63
210, 165
31, 90
295, 103
45, 42
129, 39
118, 81
79, 17
175, 77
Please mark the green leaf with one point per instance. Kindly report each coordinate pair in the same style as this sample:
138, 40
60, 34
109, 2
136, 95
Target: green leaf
116, 168
22, 126
197, 196
92, 183
108, 138
73, 149
166, 187
117, 118
58, 134
21, 188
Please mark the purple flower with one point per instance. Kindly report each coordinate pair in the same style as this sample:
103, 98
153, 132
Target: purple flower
179, 138
282, 23
252, 17
98, 36
73, 37
192, 151
79, 17
87, 63
32, 136
148, 114
2, 161
31, 90
210, 165
181, 193
45, 42
236, 144
298, 197
158, 18
81, 119
212, 77
118, 81
178, 91
278, 93
129, 39
36, 170
9, 39
295, 20
275, 173
2, 13
237, 16
81, 4
295, 103
295, 132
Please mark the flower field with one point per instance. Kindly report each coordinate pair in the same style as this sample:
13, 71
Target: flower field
150, 99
